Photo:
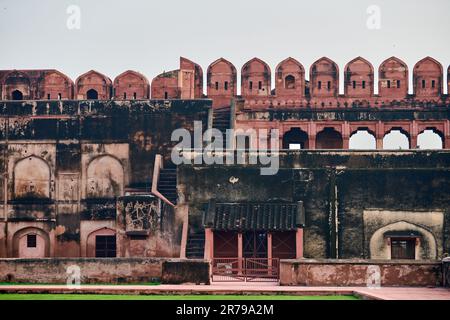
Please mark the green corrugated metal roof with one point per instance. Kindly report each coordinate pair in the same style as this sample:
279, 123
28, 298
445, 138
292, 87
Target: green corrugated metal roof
254, 216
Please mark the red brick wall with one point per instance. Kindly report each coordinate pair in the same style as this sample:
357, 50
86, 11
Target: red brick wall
425, 72
286, 70
221, 72
359, 78
93, 80
390, 72
253, 73
324, 77
166, 83
130, 84
355, 273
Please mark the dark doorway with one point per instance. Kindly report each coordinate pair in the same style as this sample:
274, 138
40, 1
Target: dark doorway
255, 244
16, 95
105, 246
225, 244
92, 94
284, 245
295, 139
403, 249
329, 138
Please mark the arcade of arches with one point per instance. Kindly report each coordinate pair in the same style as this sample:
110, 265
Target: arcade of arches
362, 138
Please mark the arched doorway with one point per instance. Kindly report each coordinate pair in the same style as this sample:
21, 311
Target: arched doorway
92, 94
362, 140
102, 243
430, 139
17, 95
329, 138
396, 139
295, 139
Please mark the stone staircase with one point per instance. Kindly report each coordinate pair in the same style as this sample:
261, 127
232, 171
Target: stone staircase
167, 184
195, 246
221, 119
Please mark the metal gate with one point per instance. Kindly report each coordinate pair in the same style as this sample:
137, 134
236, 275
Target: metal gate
245, 269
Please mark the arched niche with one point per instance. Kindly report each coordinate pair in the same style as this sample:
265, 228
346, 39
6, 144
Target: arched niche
31, 178
426, 246
105, 178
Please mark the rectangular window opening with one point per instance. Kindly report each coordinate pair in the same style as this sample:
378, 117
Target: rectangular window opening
31, 241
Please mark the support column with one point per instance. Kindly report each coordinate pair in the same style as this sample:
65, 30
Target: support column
379, 135
240, 252
269, 246
299, 243
379, 142
414, 132
345, 142
209, 244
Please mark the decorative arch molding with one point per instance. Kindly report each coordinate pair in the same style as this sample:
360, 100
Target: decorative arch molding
18, 242
426, 250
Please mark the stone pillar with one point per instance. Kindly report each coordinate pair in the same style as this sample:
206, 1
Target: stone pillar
209, 244
345, 142
413, 142
299, 244
379, 135
446, 143
379, 140
312, 142
240, 252
269, 246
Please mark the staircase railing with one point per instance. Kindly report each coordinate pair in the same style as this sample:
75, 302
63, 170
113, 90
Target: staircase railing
158, 166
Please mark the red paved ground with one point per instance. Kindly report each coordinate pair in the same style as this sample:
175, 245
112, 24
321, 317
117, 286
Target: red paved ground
240, 288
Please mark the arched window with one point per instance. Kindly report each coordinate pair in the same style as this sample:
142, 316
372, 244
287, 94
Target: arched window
396, 139
362, 140
92, 94
295, 139
289, 82
429, 139
329, 138
17, 95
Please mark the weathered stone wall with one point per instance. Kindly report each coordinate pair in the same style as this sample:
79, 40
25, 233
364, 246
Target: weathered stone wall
336, 189
117, 270
64, 163
360, 273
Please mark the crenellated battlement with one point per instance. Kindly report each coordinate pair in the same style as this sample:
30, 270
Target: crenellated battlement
291, 89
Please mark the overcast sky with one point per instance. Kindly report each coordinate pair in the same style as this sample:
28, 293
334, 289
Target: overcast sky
150, 36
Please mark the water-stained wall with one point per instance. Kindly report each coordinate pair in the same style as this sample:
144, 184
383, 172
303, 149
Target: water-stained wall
65, 163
